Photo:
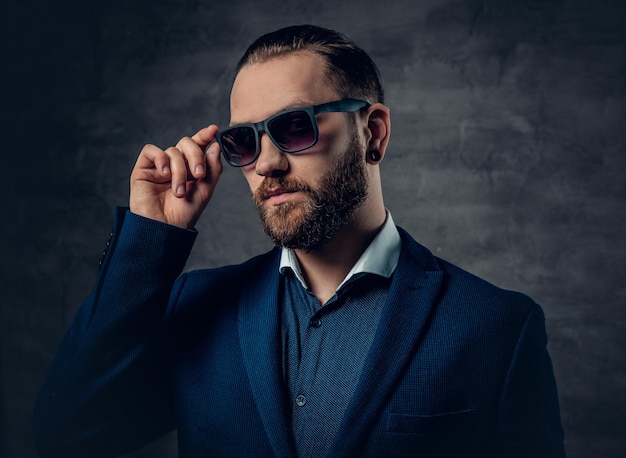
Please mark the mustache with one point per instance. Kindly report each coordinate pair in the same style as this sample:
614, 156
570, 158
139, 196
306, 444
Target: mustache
270, 185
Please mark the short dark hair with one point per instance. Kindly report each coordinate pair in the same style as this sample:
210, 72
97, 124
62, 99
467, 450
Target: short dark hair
349, 67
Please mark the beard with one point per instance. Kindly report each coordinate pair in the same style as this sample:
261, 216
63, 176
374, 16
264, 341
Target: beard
306, 225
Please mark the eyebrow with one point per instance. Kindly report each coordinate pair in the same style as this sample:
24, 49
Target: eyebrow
289, 106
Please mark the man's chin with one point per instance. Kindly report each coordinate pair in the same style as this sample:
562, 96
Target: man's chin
284, 227
282, 214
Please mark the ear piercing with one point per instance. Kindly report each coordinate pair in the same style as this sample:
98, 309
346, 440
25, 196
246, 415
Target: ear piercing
374, 155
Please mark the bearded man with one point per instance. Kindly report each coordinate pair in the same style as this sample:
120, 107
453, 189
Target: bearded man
347, 339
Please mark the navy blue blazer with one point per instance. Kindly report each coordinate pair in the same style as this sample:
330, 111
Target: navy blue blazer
457, 367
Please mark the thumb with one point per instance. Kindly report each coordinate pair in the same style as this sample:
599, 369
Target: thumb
205, 136
213, 162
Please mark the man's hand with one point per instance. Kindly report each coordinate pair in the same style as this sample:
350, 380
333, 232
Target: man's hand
175, 185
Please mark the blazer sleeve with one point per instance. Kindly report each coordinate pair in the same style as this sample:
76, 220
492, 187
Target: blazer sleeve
108, 389
530, 421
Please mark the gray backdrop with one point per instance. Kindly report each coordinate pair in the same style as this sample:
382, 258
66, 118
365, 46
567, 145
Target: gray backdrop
507, 157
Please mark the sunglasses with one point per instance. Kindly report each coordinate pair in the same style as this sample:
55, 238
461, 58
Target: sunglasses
291, 131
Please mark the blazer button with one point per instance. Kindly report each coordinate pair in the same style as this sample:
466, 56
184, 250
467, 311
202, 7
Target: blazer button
315, 322
104, 253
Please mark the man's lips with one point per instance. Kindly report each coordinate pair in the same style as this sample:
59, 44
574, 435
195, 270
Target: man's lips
278, 195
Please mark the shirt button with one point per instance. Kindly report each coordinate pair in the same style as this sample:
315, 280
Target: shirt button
300, 400
315, 322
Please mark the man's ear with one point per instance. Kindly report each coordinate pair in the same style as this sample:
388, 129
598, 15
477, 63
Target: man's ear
379, 130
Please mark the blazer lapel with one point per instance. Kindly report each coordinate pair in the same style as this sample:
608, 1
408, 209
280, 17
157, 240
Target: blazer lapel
260, 338
413, 290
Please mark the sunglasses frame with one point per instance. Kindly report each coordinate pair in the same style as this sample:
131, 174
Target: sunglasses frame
338, 106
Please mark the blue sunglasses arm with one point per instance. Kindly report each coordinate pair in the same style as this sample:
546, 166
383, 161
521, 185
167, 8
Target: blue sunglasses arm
346, 105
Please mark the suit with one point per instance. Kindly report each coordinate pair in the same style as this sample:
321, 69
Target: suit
457, 367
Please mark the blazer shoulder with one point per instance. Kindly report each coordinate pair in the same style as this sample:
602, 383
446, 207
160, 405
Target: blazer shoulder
461, 282
463, 289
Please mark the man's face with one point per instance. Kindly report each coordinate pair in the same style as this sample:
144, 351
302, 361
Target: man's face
322, 211
303, 198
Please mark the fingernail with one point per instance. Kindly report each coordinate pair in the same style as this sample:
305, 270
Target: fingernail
166, 170
180, 190
199, 169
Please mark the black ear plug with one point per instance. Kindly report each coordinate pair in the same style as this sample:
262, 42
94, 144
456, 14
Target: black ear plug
374, 155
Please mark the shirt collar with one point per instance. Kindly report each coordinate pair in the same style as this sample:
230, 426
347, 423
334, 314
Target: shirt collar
379, 258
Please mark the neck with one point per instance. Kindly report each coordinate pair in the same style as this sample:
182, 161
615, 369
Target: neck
327, 266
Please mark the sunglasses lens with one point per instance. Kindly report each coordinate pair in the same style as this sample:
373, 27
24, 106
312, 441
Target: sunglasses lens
239, 145
292, 131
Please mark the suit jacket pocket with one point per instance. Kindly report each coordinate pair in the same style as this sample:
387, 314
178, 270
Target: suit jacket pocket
447, 422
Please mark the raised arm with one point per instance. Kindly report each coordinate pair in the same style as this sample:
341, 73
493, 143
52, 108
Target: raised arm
108, 389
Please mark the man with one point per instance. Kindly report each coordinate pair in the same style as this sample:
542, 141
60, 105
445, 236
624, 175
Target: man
348, 339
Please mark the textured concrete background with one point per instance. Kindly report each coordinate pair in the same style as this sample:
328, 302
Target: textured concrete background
507, 157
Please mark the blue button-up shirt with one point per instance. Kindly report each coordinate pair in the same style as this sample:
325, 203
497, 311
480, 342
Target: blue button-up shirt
325, 347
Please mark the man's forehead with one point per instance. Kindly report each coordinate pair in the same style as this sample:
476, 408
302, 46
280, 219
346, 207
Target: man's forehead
294, 80
294, 104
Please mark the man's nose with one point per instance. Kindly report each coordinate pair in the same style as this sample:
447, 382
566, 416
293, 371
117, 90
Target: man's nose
271, 162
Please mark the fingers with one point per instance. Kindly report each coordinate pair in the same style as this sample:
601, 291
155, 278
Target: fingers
178, 164
179, 170
174, 185
214, 163
193, 150
205, 136
152, 165
193, 156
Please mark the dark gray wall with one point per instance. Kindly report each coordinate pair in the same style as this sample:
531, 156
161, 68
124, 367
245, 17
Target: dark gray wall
507, 157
